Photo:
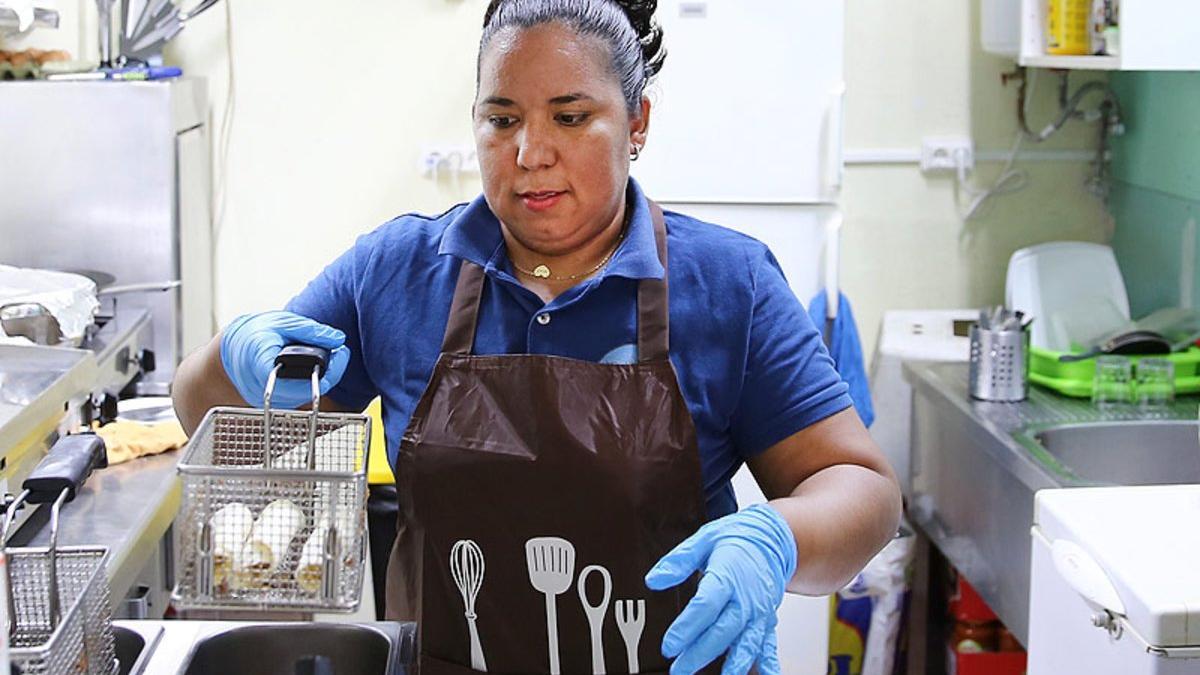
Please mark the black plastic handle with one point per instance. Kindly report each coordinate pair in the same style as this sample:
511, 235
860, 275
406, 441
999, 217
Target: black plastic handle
67, 465
298, 361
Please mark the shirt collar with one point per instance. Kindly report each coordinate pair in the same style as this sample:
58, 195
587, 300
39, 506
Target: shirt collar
474, 234
637, 257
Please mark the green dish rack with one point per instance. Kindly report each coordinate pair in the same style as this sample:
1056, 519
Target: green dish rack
1075, 378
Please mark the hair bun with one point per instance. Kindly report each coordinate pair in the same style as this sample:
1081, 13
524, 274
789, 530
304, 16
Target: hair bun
649, 32
640, 14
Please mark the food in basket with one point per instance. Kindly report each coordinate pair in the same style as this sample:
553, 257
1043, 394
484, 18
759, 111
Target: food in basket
231, 526
312, 556
330, 452
338, 450
267, 546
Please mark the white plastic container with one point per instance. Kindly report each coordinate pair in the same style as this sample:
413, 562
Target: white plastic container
1073, 290
1000, 27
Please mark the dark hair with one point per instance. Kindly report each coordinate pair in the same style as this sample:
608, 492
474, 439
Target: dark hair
634, 38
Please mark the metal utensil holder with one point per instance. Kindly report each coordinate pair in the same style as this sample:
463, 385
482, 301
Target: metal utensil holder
302, 477
999, 364
45, 637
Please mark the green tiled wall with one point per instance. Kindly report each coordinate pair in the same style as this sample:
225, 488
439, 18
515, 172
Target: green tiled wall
1156, 186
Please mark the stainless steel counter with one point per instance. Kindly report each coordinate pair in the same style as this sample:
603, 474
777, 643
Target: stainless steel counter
127, 507
34, 382
976, 466
46, 392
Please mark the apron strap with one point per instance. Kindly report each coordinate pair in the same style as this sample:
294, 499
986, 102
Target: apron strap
653, 333
654, 341
464, 310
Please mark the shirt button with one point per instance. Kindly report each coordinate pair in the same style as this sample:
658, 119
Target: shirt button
543, 319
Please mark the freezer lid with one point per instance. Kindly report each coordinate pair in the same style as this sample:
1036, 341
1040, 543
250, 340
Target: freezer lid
1147, 540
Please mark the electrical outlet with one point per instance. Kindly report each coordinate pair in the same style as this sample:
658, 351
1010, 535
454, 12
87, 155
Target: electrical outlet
447, 160
946, 153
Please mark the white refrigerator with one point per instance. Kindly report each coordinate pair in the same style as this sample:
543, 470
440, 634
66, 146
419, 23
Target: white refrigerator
745, 132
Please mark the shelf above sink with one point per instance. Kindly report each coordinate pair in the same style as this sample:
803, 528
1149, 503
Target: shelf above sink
43, 17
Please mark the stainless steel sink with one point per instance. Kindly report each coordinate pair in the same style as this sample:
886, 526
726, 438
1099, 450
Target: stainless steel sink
276, 649
977, 465
1149, 452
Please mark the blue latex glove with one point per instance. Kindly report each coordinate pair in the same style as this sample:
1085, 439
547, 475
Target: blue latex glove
251, 342
747, 559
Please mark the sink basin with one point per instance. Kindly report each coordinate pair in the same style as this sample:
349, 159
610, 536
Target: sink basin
129, 646
1126, 453
275, 649
131, 650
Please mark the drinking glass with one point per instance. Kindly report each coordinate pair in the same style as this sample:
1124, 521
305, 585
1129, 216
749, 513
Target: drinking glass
1154, 385
1112, 384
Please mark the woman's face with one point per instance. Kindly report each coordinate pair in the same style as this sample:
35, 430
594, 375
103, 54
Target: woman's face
553, 136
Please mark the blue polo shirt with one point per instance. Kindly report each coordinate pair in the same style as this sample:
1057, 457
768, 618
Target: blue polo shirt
750, 362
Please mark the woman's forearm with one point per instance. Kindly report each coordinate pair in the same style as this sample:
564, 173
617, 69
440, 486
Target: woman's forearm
201, 383
840, 516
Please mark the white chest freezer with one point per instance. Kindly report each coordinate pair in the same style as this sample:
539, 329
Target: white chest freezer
1115, 586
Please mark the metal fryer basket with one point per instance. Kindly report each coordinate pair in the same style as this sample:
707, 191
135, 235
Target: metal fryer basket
60, 620
273, 514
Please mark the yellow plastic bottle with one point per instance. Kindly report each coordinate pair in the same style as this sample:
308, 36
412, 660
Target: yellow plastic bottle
1067, 27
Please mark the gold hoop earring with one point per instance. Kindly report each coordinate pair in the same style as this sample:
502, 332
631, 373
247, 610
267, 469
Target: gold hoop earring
635, 152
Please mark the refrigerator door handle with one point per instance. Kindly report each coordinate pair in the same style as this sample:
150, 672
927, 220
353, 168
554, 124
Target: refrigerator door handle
832, 270
834, 143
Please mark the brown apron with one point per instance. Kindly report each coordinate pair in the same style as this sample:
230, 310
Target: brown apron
519, 473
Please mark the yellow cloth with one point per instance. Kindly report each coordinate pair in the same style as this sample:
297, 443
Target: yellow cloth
126, 439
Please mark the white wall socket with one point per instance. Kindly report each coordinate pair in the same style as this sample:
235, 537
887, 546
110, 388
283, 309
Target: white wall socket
943, 153
443, 161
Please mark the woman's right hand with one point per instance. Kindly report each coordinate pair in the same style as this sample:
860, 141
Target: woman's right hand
251, 342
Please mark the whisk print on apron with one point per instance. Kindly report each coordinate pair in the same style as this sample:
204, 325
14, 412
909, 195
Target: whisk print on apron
535, 493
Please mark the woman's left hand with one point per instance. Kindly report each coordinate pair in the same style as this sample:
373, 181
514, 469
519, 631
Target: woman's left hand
747, 559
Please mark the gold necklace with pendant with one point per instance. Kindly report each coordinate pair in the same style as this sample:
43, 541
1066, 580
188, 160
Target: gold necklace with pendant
543, 272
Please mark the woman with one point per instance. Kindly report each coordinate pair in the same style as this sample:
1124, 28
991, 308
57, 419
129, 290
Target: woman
560, 435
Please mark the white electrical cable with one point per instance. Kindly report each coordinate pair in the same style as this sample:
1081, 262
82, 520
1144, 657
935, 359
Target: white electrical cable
225, 132
223, 135
1008, 181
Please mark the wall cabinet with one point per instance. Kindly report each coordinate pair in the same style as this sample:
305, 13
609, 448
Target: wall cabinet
1153, 35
